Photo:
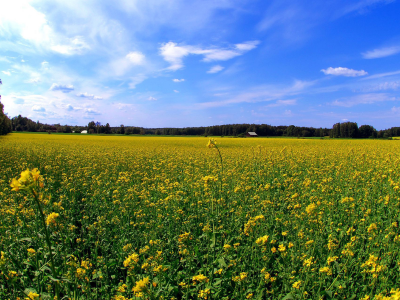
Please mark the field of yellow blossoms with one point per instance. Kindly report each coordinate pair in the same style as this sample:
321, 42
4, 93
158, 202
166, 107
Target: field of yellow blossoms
127, 217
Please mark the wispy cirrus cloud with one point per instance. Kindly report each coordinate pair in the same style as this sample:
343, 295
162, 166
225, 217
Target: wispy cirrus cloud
381, 52
178, 80
363, 99
283, 103
174, 53
215, 69
380, 75
262, 93
343, 72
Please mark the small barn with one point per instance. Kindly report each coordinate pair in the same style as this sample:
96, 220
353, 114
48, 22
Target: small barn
84, 131
251, 134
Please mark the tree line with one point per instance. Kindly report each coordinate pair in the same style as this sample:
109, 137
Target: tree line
5, 123
339, 130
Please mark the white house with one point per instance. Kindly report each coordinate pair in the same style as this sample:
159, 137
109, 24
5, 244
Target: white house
84, 131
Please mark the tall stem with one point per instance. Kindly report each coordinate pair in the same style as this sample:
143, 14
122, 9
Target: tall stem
47, 240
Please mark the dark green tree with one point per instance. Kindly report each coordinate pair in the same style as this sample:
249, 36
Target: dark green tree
5, 122
91, 127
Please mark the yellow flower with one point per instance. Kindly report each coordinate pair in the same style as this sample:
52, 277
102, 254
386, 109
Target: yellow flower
243, 276
326, 270
26, 180
31, 251
297, 284
199, 278
204, 293
211, 143
122, 288
311, 208
35, 174
51, 219
33, 296
15, 185
372, 227
281, 248
141, 285
227, 247
262, 240
331, 259
131, 261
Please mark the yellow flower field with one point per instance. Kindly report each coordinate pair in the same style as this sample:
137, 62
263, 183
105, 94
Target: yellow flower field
126, 217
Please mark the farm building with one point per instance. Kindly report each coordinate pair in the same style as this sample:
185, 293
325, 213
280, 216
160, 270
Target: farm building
252, 134
84, 131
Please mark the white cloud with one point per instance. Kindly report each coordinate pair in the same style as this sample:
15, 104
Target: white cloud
178, 80
5, 59
76, 45
33, 80
247, 46
38, 108
89, 96
395, 109
343, 72
215, 69
121, 106
151, 99
22, 60
382, 52
136, 80
262, 93
174, 53
6, 72
363, 99
136, 58
284, 103
176, 91
62, 88
91, 111
389, 85
69, 107
288, 112
380, 75
21, 19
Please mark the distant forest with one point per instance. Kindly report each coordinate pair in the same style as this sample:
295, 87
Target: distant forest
339, 130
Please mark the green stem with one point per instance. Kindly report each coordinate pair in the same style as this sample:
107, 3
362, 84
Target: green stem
47, 240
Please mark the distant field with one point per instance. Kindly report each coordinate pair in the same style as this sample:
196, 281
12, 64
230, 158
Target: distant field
157, 218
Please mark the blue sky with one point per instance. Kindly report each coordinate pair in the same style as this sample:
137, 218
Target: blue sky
181, 63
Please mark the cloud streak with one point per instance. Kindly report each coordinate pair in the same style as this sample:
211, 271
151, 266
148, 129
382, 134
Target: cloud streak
363, 99
174, 53
343, 72
215, 69
381, 52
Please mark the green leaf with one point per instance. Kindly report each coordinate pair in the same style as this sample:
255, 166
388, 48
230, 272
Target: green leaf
328, 294
25, 239
288, 297
52, 278
222, 262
